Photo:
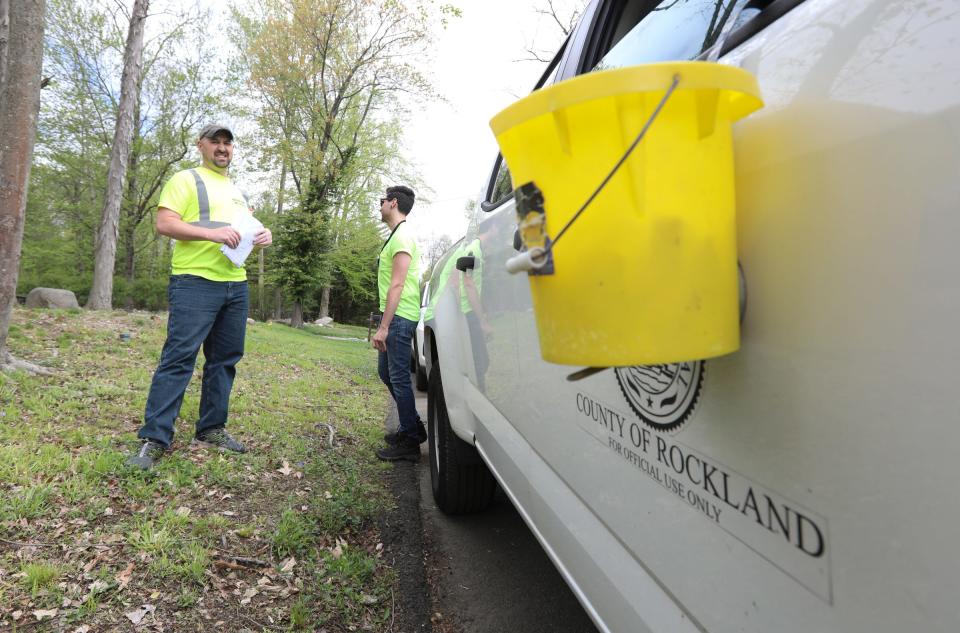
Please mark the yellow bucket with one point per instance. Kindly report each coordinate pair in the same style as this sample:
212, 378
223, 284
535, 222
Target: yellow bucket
648, 273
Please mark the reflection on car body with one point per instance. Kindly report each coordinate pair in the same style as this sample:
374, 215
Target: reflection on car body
802, 483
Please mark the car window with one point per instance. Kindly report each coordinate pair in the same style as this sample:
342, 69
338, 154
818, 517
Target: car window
672, 30
502, 185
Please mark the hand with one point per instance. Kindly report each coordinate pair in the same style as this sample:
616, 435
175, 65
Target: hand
225, 235
486, 328
263, 238
380, 339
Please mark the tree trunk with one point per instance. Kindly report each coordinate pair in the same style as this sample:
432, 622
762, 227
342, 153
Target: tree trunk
129, 251
296, 319
19, 109
130, 230
4, 40
101, 293
283, 183
325, 302
260, 287
277, 304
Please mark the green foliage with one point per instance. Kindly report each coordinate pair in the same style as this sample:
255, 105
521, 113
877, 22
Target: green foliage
142, 294
294, 535
84, 55
332, 125
300, 615
300, 241
39, 576
29, 503
63, 466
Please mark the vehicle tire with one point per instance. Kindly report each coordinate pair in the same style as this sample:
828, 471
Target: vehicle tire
419, 370
461, 482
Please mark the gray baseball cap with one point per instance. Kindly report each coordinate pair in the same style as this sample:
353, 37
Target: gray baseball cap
212, 129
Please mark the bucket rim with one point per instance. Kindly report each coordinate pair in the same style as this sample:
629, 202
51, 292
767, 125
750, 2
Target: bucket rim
741, 84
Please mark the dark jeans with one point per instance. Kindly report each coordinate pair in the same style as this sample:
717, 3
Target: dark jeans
393, 366
211, 313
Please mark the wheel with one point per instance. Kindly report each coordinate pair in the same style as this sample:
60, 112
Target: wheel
419, 370
461, 482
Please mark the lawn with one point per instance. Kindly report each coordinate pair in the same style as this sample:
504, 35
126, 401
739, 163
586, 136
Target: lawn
281, 538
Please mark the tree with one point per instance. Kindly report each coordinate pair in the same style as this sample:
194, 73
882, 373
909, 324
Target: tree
101, 294
19, 108
561, 15
331, 77
434, 251
4, 37
84, 50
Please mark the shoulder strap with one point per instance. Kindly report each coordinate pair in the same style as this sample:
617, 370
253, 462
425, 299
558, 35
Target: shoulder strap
203, 202
391, 236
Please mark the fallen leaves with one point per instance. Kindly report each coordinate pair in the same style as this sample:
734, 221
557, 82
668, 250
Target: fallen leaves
187, 519
138, 615
123, 578
40, 614
248, 595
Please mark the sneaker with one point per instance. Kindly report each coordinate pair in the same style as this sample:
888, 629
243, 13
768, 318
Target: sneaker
150, 451
406, 448
392, 439
219, 438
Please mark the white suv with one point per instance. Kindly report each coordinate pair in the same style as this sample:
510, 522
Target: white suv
805, 483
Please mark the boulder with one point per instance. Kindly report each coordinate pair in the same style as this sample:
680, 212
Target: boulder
250, 321
52, 298
325, 321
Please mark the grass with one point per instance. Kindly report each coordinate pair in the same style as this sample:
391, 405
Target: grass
90, 536
39, 576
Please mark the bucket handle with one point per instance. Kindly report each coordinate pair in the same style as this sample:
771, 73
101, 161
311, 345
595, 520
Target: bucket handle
536, 257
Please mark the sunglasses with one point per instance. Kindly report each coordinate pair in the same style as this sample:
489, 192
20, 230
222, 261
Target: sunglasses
382, 200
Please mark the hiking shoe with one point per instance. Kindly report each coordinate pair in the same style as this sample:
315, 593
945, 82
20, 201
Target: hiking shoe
219, 438
392, 439
150, 451
406, 448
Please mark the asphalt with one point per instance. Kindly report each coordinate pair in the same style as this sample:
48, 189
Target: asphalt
482, 573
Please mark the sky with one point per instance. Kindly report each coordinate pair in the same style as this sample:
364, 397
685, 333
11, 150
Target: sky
475, 67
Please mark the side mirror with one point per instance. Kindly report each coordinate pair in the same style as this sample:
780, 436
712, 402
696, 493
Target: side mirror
463, 263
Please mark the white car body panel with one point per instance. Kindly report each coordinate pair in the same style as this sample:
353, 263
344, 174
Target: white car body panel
836, 417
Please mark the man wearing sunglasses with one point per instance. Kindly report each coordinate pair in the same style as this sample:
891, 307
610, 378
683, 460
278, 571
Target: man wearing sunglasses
398, 285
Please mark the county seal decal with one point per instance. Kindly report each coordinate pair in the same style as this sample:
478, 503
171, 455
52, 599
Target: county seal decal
662, 396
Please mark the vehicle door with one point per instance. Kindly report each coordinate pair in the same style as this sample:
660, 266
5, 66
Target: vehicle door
489, 296
724, 481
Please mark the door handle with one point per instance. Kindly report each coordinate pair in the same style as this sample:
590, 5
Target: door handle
517, 241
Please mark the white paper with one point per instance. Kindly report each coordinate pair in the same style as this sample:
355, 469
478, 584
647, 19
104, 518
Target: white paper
247, 226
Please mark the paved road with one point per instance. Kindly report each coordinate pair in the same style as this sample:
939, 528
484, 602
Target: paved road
489, 573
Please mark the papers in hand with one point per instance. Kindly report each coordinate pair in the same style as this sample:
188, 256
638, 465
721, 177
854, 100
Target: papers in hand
247, 226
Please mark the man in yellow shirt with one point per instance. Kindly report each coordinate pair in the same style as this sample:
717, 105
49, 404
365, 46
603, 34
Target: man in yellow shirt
398, 285
207, 296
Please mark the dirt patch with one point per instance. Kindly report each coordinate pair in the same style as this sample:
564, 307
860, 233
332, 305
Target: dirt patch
402, 535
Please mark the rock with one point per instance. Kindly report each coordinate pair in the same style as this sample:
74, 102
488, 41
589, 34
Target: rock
52, 298
250, 321
325, 321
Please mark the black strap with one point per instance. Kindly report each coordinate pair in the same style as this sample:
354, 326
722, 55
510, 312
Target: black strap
390, 238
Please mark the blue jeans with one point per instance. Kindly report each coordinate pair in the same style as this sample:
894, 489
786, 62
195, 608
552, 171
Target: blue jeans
202, 312
393, 366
